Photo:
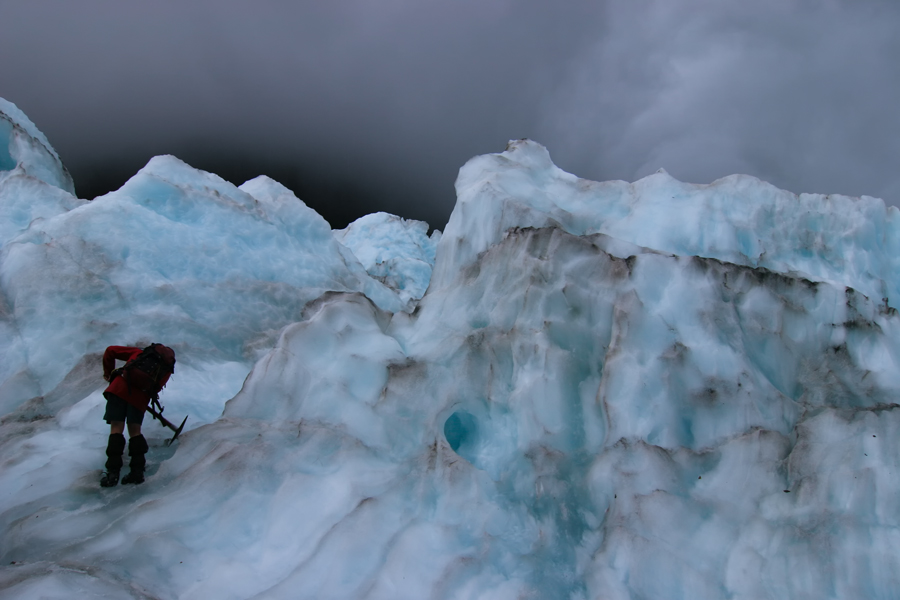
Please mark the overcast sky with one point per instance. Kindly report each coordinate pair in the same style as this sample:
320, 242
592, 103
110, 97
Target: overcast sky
365, 105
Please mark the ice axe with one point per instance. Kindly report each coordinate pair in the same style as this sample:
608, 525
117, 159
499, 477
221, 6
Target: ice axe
165, 422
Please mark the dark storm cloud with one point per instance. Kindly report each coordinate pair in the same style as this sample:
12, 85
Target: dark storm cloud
361, 106
385, 99
800, 93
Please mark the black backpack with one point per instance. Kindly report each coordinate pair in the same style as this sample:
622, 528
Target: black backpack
145, 370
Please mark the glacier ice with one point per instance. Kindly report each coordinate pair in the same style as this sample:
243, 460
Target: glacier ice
28, 152
609, 390
398, 252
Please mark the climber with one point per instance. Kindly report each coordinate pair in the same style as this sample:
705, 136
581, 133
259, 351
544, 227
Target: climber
131, 389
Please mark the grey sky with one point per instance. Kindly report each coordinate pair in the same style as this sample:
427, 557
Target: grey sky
360, 105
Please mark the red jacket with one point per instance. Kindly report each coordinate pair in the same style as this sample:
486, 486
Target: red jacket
119, 386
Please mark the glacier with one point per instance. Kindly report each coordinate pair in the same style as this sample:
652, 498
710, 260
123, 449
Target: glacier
577, 390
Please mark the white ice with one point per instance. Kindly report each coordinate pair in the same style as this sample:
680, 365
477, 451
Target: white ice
609, 390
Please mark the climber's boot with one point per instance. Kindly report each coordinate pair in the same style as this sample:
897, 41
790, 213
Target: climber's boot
114, 449
137, 448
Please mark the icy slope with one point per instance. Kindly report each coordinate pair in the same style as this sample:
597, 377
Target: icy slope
602, 450
571, 411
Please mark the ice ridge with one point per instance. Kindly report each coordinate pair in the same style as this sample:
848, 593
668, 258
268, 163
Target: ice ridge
24, 147
846, 241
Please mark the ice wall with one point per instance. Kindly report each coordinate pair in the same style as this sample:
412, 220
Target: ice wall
582, 405
34, 187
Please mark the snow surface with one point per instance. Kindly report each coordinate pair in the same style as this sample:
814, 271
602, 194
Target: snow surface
609, 390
